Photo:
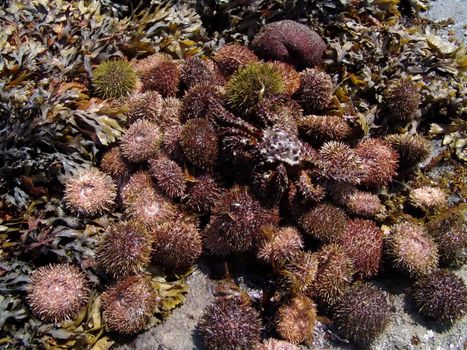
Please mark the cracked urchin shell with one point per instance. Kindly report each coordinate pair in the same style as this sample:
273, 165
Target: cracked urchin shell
202, 195
291, 42
299, 273
279, 146
441, 295
280, 245
141, 141
129, 304
169, 176
275, 344
251, 84
114, 79
412, 149
362, 240
138, 183
177, 245
159, 73
428, 197
290, 76
334, 275
90, 192
146, 105
125, 249
194, 71
318, 129
236, 220
363, 313
230, 324
380, 162
402, 99
356, 202
231, 57
325, 222
57, 292
114, 164
279, 111
339, 162
200, 143
316, 89
412, 249
296, 320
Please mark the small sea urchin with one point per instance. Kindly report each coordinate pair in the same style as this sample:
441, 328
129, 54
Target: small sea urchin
315, 91
114, 79
296, 320
402, 99
169, 176
280, 245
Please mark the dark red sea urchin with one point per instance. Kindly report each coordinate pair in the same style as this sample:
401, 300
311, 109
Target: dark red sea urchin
57, 292
202, 195
159, 73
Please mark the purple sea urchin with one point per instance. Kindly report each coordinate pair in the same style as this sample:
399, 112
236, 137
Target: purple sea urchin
289, 42
402, 99
114, 164
363, 313
141, 141
230, 324
159, 73
315, 91
198, 101
125, 249
233, 56
114, 79
129, 304
411, 249
137, 184
325, 223
202, 195
169, 176
441, 295
89, 193
362, 240
355, 201
280, 245
57, 292
296, 320
194, 71
150, 209
146, 105
322, 128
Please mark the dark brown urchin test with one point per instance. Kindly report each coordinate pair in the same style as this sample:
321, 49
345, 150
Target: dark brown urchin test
441, 295
362, 240
235, 222
141, 141
202, 194
146, 105
125, 249
129, 304
233, 56
334, 275
363, 313
177, 245
316, 89
114, 79
412, 149
159, 73
402, 99
169, 176
199, 142
230, 324
90, 193
57, 292
380, 162
325, 222
280, 245
412, 249
114, 164
296, 320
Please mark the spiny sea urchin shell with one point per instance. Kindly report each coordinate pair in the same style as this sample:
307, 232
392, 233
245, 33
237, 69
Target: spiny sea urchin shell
57, 292
146, 105
289, 75
279, 111
275, 344
230, 324
380, 162
315, 91
291, 42
402, 99
441, 295
325, 223
169, 176
198, 101
236, 220
412, 149
233, 56
251, 84
159, 73
334, 275
362, 240
363, 313
90, 192
428, 197
141, 141
202, 195
199, 142
177, 245
322, 128
299, 273
356, 202
296, 320
412, 249
194, 71
138, 183
125, 249
129, 304
114, 79
114, 164
280, 245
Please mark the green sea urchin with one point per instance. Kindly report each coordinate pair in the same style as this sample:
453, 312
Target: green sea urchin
114, 79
